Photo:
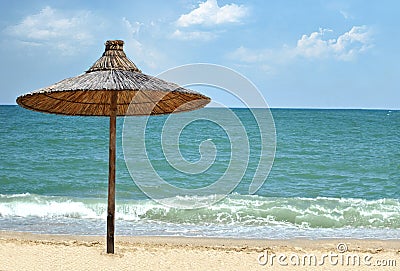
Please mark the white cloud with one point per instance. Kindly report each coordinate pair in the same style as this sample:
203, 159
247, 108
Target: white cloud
209, 13
313, 46
53, 28
345, 47
194, 35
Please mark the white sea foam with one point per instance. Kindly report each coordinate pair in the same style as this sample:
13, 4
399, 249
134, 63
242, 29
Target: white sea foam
234, 210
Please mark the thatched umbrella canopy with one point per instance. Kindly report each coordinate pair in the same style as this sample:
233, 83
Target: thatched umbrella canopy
107, 89
89, 94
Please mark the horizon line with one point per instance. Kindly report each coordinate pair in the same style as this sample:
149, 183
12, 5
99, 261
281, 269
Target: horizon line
284, 107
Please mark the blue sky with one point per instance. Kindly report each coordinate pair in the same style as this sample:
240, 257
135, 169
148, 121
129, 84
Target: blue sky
308, 54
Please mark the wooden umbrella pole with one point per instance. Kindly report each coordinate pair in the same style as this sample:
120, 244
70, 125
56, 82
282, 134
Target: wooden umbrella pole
111, 174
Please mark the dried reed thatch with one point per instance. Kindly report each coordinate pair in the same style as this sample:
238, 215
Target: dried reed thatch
90, 93
107, 89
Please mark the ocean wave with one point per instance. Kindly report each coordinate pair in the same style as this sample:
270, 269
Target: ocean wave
234, 210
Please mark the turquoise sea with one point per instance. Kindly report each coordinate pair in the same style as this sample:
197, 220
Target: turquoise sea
336, 174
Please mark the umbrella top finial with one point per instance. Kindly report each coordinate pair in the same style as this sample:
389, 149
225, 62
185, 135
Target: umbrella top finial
114, 58
114, 45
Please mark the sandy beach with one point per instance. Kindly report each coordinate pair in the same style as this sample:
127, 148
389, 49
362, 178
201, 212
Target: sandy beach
25, 251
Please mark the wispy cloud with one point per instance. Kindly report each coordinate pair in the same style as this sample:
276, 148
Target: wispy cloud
133, 28
141, 50
312, 46
247, 55
265, 59
346, 15
210, 13
194, 35
54, 29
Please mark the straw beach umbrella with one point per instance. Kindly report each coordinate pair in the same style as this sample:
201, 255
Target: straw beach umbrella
107, 89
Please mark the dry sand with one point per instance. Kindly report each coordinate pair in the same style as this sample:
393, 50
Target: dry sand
24, 251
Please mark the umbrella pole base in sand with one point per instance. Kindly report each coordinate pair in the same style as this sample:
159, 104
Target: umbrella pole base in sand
111, 174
